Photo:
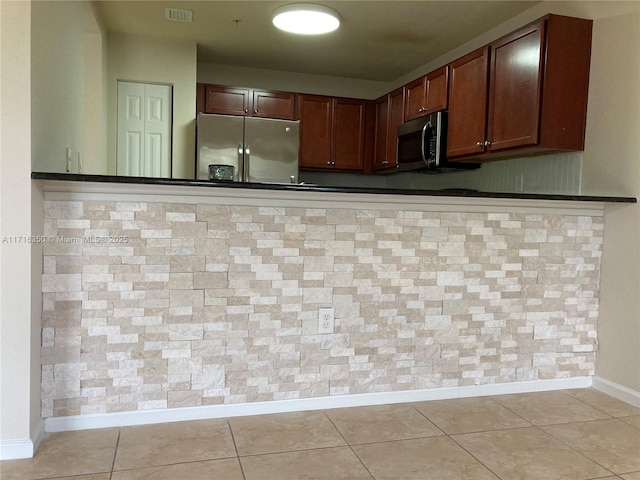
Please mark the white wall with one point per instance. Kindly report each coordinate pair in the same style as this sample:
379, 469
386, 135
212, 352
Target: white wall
154, 60
20, 263
67, 87
57, 83
94, 154
611, 165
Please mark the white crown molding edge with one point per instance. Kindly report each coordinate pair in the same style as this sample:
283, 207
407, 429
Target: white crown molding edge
147, 417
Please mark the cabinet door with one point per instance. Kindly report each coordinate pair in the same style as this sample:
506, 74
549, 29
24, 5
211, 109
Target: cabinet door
427, 94
315, 131
514, 89
396, 118
348, 134
381, 152
226, 100
415, 93
436, 85
468, 104
274, 105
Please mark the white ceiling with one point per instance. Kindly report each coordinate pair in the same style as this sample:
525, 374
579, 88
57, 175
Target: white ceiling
378, 40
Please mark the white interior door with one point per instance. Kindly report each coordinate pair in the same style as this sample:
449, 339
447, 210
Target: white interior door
144, 130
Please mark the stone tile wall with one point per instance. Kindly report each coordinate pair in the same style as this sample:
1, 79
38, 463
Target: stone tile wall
160, 305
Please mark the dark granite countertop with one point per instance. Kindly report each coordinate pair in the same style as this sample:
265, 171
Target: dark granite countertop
72, 177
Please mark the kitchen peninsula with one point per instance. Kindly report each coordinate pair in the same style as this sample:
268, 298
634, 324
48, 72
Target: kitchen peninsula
210, 306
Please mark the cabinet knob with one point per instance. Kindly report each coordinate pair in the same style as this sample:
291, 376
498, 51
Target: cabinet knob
246, 110
479, 144
421, 110
328, 163
255, 112
487, 143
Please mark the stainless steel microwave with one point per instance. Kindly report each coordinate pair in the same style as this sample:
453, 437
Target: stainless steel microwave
422, 146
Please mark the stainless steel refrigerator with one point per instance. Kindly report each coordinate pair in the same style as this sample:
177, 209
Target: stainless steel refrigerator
261, 150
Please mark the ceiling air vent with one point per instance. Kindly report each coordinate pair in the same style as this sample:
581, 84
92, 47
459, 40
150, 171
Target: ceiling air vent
177, 15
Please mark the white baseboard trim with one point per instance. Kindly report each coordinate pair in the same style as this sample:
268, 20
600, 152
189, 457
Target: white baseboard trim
146, 417
25, 448
616, 390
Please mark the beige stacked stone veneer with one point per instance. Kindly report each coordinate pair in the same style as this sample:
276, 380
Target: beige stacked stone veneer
209, 304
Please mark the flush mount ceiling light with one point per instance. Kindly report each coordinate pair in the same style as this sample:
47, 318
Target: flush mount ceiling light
306, 19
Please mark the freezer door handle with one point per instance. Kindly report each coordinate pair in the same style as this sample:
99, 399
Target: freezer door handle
247, 163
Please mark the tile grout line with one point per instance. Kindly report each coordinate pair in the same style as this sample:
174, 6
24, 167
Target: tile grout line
115, 454
474, 457
450, 437
572, 448
235, 446
427, 418
595, 407
539, 427
349, 445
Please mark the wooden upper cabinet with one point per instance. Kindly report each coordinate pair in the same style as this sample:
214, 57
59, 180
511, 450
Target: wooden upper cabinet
389, 112
316, 121
381, 139
414, 99
515, 79
226, 100
538, 80
468, 104
567, 61
348, 134
427, 94
396, 118
222, 100
269, 104
332, 133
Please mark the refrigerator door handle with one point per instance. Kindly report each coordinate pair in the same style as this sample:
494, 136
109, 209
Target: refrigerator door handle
240, 162
247, 166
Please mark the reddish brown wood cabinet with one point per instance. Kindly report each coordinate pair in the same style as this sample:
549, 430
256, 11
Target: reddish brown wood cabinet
316, 127
381, 139
396, 118
270, 104
226, 100
245, 102
467, 103
426, 94
332, 133
533, 83
389, 115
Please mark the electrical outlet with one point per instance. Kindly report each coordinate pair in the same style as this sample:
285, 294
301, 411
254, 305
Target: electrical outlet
68, 165
519, 186
326, 320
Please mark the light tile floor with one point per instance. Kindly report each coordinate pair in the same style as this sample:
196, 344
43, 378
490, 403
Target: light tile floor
564, 435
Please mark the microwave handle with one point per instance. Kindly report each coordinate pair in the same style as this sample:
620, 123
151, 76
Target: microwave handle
427, 126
